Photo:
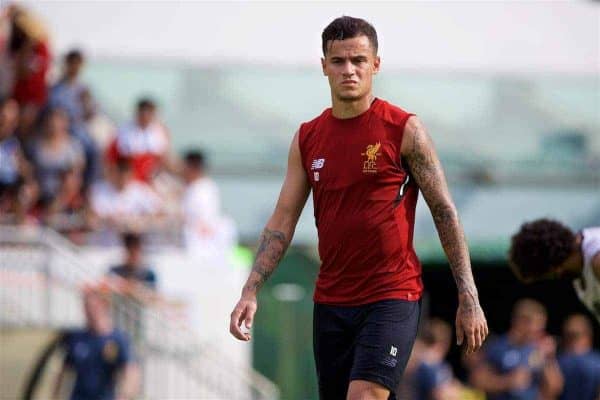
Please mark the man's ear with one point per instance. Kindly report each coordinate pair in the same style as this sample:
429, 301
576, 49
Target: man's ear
323, 65
376, 65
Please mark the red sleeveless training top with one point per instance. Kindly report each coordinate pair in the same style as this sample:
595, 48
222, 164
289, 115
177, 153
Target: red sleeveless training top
364, 204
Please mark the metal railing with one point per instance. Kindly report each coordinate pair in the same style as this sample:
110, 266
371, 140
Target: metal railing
41, 275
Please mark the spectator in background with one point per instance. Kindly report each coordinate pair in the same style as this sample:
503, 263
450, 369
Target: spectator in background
29, 50
145, 141
67, 212
100, 128
123, 202
17, 190
205, 229
520, 365
579, 364
100, 356
133, 269
56, 152
434, 379
67, 94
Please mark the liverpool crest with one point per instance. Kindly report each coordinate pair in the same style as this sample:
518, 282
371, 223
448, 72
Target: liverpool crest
372, 152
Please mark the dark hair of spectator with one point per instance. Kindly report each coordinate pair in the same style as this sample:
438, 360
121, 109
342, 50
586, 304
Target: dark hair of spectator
131, 240
435, 331
146, 103
539, 247
123, 164
195, 159
74, 55
347, 28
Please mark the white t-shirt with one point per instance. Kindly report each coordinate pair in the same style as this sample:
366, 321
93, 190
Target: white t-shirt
136, 199
205, 229
134, 140
588, 286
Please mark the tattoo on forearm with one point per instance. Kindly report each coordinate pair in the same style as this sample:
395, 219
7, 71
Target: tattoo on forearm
429, 175
271, 249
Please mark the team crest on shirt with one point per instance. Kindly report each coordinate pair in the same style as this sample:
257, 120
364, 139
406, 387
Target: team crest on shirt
371, 153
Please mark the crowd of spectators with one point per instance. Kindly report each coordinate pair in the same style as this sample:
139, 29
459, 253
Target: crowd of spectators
525, 363
65, 164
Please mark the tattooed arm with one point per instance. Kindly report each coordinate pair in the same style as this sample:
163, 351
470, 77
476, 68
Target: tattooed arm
419, 154
274, 240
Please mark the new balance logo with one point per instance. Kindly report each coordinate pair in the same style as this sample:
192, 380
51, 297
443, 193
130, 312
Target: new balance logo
393, 351
318, 163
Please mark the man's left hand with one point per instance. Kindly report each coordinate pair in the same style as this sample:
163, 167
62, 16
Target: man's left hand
470, 325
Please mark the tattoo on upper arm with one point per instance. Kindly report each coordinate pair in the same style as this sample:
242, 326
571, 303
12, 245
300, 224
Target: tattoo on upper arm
271, 249
428, 173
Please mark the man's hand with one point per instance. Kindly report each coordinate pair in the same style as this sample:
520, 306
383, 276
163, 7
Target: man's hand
519, 379
243, 312
470, 324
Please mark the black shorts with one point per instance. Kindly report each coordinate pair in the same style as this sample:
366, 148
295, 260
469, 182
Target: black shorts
371, 342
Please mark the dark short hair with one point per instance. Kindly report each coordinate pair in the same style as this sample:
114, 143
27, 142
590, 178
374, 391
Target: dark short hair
435, 331
347, 28
74, 55
131, 239
539, 247
195, 159
123, 164
146, 102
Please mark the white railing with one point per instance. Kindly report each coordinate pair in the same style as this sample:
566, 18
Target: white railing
41, 274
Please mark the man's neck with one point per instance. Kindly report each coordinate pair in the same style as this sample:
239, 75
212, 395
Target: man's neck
350, 109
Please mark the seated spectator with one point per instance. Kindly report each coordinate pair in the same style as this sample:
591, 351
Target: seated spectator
144, 141
520, 365
579, 364
133, 268
434, 379
67, 95
205, 228
121, 201
67, 211
17, 189
55, 152
100, 356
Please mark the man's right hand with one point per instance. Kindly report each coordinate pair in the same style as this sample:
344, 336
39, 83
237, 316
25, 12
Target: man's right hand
243, 312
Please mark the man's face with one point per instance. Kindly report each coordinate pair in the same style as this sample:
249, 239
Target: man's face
9, 117
145, 116
350, 65
575, 331
530, 325
73, 68
134, 255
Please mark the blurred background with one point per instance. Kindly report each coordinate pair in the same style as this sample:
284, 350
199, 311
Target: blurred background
143, 145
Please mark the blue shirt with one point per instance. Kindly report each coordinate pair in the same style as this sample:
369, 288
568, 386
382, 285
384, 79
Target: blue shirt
143, 275
428, 377
582, 375
96, 359
505, 357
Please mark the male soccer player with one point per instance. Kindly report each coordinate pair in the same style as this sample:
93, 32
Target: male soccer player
547, 249
365, 161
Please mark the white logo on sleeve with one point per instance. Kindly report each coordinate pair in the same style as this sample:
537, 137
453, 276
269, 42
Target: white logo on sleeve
393, 351
317, 163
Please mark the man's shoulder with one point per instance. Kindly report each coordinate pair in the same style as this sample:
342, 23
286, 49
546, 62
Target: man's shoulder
391, 113
310, 125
